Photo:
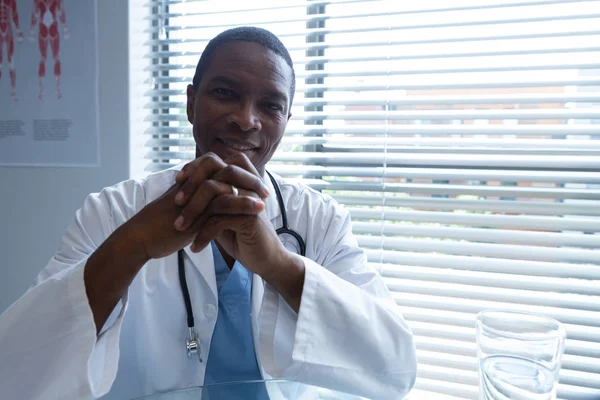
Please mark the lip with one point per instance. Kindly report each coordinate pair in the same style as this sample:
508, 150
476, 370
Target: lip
237, 144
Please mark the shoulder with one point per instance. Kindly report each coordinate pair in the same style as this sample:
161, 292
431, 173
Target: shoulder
309, 203
124, 199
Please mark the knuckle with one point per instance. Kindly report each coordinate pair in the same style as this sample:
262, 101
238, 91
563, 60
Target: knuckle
211, 157
248, 204
239, 157
230, 171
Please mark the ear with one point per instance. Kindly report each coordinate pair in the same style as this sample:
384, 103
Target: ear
191, 101
289, 116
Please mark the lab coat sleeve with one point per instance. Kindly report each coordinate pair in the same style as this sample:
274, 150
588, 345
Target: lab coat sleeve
349, 334
48, 343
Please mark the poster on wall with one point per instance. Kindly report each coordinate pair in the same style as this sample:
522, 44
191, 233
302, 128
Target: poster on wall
48, 83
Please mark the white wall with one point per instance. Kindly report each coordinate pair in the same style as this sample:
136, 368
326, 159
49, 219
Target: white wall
37, 204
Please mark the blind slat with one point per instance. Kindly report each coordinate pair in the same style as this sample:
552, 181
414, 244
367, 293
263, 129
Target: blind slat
489, 161
480, 205
491, 279
427, 115
491, 250
443, 303
392, 42
298, 4
417, 100
582, 340
503, 295
410, 130
543, 239
325, 31
488, 264
445, 174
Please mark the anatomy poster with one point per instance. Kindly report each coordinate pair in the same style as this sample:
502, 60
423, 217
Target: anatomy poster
48, 83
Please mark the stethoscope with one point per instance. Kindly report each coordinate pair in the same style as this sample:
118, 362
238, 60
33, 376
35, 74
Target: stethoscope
290, 239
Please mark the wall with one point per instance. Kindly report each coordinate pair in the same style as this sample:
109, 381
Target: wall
37, 204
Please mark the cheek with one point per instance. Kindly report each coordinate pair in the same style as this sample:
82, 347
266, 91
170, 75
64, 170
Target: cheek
207, 112
207, 116
276, 131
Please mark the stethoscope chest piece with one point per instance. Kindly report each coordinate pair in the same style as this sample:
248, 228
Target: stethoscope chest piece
192, 344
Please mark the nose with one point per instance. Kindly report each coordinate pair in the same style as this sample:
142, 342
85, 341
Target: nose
246, 117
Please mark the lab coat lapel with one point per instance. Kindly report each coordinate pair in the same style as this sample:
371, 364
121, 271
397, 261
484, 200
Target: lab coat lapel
258, 288
272, 205
204, 262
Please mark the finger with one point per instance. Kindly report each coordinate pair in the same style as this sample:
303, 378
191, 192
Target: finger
242, 161
242, 179
215, 197
189, 168
195, 173
214, 225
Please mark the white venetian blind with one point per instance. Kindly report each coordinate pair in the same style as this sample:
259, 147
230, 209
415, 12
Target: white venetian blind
464, 137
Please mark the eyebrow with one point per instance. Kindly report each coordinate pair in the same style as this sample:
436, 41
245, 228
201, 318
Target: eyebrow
275, 94
225, 80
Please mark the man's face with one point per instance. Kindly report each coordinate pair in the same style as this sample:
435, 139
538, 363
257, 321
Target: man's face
242, 103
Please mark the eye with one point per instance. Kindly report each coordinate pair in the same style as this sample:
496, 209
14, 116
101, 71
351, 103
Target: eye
223, 92
273, 106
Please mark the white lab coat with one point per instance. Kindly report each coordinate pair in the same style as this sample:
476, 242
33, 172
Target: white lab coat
348, 335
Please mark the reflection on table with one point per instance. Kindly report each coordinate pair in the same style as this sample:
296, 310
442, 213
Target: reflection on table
254, 390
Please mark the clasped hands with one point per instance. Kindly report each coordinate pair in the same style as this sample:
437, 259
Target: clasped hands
202, 207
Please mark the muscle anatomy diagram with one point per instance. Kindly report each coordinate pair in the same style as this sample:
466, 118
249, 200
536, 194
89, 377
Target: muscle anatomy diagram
45, 17
8, 17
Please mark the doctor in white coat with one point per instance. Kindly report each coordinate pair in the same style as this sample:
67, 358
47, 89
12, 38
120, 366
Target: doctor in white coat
106, 316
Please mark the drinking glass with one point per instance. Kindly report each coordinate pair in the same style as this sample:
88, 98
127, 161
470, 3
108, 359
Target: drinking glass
519, 355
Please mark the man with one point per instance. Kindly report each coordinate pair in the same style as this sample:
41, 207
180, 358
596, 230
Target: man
108, 314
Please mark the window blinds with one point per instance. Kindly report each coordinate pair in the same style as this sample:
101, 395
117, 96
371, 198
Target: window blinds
463, 136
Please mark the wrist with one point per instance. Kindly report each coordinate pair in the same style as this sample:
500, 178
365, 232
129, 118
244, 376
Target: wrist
126, 244
287, 277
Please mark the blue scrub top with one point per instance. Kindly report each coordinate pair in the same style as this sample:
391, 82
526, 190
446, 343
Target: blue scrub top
231, 357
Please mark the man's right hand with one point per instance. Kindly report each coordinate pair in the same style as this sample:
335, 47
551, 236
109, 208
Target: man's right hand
153, 227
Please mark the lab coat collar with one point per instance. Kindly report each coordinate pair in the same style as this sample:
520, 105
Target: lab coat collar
271, 205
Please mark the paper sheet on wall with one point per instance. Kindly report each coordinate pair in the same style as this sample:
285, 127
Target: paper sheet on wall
48, 83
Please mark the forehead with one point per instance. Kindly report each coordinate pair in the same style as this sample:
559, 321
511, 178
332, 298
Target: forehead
251, 63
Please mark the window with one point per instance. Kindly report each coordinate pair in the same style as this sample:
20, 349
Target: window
463, 137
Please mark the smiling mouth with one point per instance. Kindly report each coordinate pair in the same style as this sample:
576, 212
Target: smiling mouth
239, 146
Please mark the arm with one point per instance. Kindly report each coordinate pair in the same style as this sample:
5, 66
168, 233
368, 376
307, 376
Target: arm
51, 332
61, 13
34, 17
349, 334
15, 14
151, 233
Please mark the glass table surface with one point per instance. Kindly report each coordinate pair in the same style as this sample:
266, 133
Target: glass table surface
254, 390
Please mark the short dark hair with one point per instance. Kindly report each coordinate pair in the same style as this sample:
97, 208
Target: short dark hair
245, 34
